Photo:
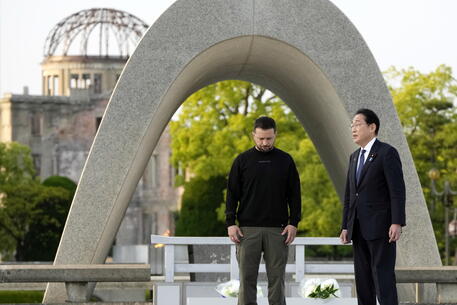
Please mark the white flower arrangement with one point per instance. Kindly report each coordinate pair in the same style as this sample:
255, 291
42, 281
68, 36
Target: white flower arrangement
231, 289
319, 289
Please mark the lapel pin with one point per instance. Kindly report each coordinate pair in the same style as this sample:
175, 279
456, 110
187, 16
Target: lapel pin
371, 157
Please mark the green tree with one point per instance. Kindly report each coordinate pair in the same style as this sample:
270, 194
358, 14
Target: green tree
32, 219
426, 106
43, 236
214, 126
18, 187
198, 212
321, 207
32, 215
16, 214
51, 210
60, 181
16, 165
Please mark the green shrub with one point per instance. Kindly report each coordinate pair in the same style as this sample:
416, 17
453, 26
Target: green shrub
43, 237
200, 200
59, 181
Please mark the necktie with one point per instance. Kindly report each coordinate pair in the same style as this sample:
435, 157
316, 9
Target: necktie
361, 163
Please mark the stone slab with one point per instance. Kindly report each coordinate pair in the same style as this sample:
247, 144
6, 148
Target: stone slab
445, 274
74, 273
168, 294
264, 301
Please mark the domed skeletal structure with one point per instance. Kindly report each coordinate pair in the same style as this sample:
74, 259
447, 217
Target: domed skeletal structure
98, 28
106, 38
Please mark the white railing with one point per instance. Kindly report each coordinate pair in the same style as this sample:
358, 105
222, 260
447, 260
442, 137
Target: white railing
299, 268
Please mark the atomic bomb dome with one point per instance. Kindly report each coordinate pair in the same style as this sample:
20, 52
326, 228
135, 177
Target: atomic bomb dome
107, 31
88, 50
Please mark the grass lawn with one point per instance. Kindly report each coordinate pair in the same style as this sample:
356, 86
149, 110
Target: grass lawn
18, 296
34, 296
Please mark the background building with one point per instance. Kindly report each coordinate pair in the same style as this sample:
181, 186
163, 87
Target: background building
84, 56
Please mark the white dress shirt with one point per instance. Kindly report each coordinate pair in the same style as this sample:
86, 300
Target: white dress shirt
367, 151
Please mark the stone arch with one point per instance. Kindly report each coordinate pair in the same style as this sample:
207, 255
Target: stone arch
306, 51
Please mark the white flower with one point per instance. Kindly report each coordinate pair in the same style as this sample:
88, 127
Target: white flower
308, 288
328, 283
231, 289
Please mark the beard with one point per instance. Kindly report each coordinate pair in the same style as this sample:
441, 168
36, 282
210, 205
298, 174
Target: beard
264, 148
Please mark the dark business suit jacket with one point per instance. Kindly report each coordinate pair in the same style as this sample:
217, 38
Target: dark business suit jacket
378, 199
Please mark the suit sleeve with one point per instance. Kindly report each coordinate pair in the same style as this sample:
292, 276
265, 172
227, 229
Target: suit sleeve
344, 222
394, 177
233, 193
294, 195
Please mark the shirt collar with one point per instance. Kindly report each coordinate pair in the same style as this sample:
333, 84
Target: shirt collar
368, 146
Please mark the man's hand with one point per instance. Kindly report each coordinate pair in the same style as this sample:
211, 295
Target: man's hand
344, 237
394, 233
291, 232
234, 233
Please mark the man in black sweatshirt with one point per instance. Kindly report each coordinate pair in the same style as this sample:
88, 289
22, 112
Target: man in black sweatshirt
263, 195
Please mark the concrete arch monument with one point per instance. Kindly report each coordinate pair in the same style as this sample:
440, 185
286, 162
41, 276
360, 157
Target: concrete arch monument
306, 51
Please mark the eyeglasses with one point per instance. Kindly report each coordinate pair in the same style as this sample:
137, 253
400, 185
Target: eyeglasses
357, 125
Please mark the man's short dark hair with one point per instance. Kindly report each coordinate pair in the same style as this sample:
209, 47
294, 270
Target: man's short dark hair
265, 123
370, 117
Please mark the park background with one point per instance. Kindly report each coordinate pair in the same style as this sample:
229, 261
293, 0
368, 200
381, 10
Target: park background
412, 42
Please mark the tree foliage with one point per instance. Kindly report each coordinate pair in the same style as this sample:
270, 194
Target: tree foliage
199, 202
16, 165
60, 181
426, 106
16, 214
17, 187
43, 236
31, 215
215, 124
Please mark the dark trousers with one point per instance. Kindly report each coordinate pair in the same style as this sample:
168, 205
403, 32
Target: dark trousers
374, 266
249, 251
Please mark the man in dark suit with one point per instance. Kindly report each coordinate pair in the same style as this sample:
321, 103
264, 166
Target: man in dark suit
374, 211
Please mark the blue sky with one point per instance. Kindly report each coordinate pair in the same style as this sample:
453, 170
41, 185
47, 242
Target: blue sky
402, 33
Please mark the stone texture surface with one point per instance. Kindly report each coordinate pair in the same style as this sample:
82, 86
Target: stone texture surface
306, 51
74, 273
77, 292
445, 274
447, 293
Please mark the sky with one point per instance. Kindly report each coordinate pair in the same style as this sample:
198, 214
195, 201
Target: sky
400, 33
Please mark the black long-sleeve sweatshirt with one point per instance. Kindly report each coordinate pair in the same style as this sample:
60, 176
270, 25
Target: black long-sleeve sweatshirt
267, 187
